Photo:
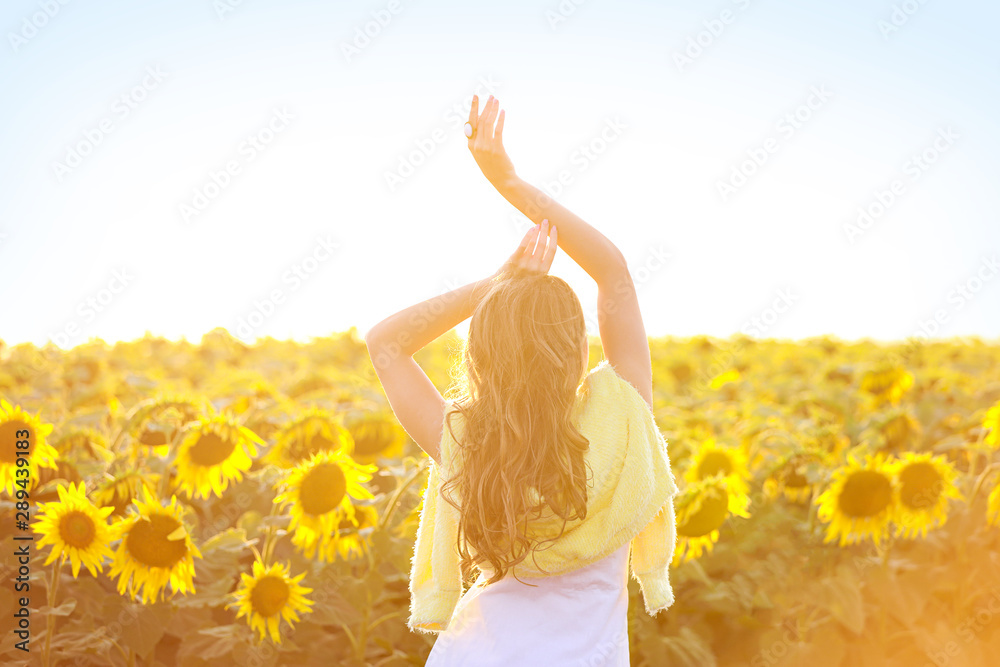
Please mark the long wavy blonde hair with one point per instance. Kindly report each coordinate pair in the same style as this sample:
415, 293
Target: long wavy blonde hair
515, 388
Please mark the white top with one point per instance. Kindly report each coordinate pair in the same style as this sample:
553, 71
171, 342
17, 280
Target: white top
577, 619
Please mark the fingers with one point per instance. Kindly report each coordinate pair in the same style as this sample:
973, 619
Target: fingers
538, 252
474, 114
485, 125
482, 124
550, 249
537, 249
527, 245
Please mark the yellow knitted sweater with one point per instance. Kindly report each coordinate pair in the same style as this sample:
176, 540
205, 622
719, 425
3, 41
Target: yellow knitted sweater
629, 499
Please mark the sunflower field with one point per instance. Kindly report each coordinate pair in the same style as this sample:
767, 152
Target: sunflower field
172, 503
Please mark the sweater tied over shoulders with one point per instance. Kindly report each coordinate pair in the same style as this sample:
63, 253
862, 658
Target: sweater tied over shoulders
629, 499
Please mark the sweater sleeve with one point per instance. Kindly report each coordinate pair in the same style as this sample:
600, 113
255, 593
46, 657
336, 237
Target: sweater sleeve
652, 553
435, 574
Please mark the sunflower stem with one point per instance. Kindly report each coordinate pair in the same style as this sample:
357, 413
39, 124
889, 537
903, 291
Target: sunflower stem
350, 637
131, 657
362, 645
50, 619
269, 538
120, 649
394, 500
981, 480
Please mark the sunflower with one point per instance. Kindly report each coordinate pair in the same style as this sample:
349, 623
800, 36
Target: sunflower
268, 596
314, 431
901, 431
214, 451
76, 528
829, 438
88, 442
791, 476
155, 549
886, 383
711, 459
860, 501
156, 437
925, 484
17, 427
154, 422
701, 510
350, 538
723, 379
119, 491
991, 423
320, 491
375, 434
682, 371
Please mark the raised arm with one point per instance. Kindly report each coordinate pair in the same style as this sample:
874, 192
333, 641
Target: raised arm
623, 334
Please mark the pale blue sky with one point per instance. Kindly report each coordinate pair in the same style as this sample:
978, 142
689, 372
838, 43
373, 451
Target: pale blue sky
112, 230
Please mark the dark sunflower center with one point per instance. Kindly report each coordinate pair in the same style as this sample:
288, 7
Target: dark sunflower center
120, 501
147, 541
153, 438
879, 384
920, 485
303, 448
713, 511
77, 529
323, 488
373, 437
363, 518
793, 479
682, 372
211, 450
9, 438
865, 494
715, 462
269, 595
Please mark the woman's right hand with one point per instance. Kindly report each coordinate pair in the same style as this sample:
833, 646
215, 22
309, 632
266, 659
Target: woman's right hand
486, 143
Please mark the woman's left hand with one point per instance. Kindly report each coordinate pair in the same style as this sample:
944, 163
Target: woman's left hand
536, 250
